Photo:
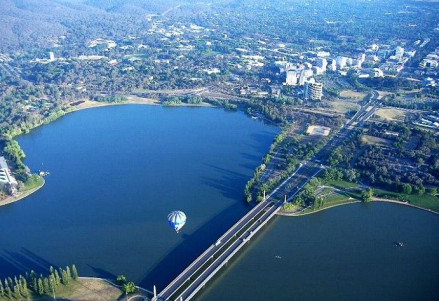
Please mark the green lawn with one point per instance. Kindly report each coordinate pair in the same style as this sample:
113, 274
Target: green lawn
425, 201
341, 184
326, 190
34, 181
333, 200
337, 197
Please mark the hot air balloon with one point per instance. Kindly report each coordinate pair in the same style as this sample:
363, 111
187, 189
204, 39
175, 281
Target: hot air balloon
176, 220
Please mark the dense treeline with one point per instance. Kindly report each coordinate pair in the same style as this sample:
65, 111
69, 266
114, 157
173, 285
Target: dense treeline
405, 156
32, 284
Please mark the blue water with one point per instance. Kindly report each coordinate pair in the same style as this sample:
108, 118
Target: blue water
115, 174
345, 253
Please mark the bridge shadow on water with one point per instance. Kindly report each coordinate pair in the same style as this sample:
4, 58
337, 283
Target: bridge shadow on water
16, 263
228, 183
102, 273
192, 246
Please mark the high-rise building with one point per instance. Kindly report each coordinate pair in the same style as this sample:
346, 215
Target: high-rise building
314, 91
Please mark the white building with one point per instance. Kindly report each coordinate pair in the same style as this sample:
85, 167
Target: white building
332, 65
323, 54
399, 52
305, 75
314, 91
340, 62
291, 78
6, 179
374, 47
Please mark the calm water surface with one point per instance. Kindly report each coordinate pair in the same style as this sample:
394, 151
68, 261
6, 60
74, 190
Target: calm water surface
115, 174
345, 253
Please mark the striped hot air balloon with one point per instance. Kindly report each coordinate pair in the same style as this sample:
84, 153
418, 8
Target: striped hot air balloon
176, 220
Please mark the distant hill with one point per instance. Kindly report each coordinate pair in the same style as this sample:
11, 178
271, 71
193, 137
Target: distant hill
29, 23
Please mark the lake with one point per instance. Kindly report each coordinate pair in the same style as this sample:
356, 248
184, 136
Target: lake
116, 172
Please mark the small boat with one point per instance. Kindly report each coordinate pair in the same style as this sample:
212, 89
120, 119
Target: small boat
399, 244
43, 173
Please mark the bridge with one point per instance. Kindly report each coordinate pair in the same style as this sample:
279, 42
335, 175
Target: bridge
186, 285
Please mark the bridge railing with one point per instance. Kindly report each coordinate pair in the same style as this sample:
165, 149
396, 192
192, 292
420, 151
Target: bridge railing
236, 249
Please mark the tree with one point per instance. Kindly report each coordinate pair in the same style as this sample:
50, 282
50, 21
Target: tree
432, 191
23, 283
17, 291
407, 188
34, 281
46, 285
129, 287
420, 190
69, 274
366, 195
64, 277
57, 279
74, 272
2, 290
40, 287
121, 280
52, 284
350, 175
9, 292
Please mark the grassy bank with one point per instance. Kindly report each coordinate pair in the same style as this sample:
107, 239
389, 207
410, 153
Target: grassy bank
426, 201
80, 289
34, 183
340, 192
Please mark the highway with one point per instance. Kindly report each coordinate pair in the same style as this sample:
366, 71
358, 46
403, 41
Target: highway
200, 271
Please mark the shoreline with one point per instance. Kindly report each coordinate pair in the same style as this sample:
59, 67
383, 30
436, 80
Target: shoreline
135, 100
12, 199
90, 104
111, 282
297, 214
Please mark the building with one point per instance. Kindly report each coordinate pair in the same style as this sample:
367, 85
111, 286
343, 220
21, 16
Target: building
341, 62
332, 65
291, 79
6, 179
314, 91
399, 52
322, 63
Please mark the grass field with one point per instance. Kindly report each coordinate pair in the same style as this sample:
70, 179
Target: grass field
352, 94
391, 114
340, 184
343, 107
372, 140
34, 181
